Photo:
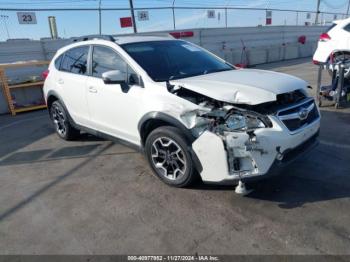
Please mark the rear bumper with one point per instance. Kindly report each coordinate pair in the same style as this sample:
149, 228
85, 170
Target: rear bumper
323, 52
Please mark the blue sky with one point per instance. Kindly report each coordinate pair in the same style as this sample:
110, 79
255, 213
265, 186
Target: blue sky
75, 23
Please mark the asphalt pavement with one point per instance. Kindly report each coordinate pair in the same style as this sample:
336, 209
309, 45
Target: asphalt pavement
93, 196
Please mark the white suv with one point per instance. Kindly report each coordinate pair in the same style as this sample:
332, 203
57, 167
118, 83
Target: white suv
189, 111
334, 45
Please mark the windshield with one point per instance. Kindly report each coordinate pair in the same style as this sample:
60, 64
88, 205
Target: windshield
167, 60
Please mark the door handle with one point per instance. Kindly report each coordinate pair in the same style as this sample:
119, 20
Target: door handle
92, 89
61, 81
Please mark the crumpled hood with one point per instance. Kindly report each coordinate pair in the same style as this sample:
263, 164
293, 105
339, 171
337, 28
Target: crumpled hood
243, 86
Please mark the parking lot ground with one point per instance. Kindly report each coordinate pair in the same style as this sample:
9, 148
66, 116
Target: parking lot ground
97, 197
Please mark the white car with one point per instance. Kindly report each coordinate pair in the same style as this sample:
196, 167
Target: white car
334, 45
190, 112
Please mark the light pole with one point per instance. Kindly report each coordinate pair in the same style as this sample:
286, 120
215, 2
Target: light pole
133, 16
174, 14
317, 11
99, 18
5, 18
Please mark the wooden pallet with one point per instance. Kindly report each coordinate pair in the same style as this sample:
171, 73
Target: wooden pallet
7, 88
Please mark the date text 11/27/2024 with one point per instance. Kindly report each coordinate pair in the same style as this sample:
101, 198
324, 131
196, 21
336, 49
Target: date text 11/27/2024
174, 258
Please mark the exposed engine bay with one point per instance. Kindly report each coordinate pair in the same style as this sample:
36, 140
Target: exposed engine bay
222, 116
223, 119
246, 153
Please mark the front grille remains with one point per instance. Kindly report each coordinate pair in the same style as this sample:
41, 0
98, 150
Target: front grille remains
282, 101
300, 115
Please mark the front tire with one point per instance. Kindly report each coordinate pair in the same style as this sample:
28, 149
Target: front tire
60, 120
168, 155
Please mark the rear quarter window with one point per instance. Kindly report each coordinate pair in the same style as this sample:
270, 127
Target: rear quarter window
331, 27
75, 60
347, 28
58, 62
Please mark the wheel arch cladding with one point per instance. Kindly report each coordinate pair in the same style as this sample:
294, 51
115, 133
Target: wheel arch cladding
52, 96
50, 99
153, 120
341, 51
338, 52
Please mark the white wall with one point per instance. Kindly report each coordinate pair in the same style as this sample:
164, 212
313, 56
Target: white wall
263, 45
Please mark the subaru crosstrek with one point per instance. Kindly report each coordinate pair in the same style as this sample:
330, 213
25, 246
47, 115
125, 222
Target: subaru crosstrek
189, 111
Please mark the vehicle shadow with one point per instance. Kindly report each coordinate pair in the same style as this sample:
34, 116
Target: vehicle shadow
43, 155
85, 137
11, 210
321, 175
21, 132
290, 189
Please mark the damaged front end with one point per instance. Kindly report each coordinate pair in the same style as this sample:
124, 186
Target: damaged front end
236, 142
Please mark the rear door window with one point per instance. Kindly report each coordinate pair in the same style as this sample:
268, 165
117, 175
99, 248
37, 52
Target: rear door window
75, 60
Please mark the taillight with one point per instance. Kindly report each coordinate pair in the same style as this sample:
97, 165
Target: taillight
45, 74
324, 37
315, 62
182, 34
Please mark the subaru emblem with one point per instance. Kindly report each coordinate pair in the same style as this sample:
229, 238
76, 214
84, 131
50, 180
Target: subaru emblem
303, 113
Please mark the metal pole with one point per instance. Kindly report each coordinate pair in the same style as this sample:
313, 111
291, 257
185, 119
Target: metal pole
174, 14
99, 18
340, 86
133, 15
347, 11
297, 23
226, 17
317, 11
319, 82
53, 27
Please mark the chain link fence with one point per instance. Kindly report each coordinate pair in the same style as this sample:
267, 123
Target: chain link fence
75, 22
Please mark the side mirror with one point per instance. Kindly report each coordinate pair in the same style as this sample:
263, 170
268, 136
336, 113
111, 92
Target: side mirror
113, 77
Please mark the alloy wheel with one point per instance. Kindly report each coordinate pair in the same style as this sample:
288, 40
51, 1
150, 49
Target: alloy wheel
59, 120
168, 158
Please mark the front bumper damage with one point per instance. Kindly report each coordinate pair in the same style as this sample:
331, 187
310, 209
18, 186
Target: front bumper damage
238, 156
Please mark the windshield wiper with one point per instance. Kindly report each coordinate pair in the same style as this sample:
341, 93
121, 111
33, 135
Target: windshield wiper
216, 70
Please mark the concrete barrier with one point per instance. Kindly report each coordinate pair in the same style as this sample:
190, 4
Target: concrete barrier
273, 54
263, 45
257, 56
291, 51
306, 49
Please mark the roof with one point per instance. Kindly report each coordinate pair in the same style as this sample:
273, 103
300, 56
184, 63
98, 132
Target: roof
140, 38
342, 21
121, 39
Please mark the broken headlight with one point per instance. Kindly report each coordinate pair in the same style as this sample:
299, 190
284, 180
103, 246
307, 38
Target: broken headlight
237, 122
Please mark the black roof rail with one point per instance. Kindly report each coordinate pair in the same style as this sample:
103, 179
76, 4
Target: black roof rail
90, 37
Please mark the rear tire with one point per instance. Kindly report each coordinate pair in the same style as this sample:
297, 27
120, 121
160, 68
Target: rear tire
168, 155
60, 120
